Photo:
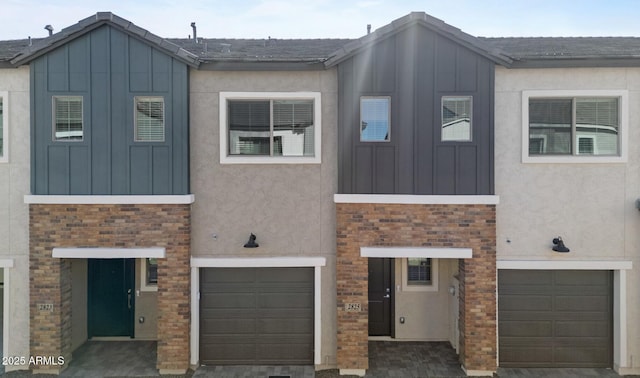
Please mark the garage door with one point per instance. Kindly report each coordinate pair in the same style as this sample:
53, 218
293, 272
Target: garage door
256, 316
555, 318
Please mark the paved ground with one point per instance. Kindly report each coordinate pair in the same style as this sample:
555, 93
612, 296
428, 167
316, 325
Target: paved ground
388, 359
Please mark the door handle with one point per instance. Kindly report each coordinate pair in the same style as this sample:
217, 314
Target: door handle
387, 296
129, 299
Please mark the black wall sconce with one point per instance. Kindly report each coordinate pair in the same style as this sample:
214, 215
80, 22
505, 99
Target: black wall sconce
559, 245
252, 242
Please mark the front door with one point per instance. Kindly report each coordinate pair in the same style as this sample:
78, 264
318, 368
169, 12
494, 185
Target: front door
111, 297
380, 290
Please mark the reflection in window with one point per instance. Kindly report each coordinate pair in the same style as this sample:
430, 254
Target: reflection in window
152, 271
149, 119
419, 271
375, 119
456, 118
574, 126
271, 127
67, 117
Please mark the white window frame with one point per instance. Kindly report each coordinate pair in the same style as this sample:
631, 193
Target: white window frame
225, 158
144, 286
464, 97
53, 118
136, 99
4, 158
362, 99
623, 103
434, 277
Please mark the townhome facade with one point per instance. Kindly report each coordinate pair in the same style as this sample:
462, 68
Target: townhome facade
284, 202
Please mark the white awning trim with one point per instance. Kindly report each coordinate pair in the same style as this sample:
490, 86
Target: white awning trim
109, 253
416, 252
565, 264
410, 199
257, 262
110, 200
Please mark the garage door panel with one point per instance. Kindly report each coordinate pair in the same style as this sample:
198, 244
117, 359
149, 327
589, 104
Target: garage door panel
526, 328
526, 303
575, 331
256, 316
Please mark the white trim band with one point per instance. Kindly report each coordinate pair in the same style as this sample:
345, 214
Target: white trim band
565, 264
410, 199
110, 200
108, 253
257, 262
6, 263
416, 252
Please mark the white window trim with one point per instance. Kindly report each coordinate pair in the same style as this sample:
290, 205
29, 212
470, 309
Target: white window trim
4, 158
623, 95
433, 286
388, 140
144, 286
53, 119
470, 138
317, 111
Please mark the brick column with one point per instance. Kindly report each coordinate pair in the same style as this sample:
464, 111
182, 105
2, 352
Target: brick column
415, 225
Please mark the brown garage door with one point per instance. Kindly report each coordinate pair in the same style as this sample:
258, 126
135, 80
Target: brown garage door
256, 316
555, 318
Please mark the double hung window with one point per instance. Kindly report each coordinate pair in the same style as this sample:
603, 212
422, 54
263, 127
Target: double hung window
67, 118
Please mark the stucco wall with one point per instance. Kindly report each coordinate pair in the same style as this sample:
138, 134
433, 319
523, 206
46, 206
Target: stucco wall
14, 220
592, 206
288, 206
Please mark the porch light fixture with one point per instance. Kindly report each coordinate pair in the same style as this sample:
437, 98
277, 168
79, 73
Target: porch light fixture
252, 242
559, 245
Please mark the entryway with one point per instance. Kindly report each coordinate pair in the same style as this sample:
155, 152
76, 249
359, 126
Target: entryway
111, 299
380, 297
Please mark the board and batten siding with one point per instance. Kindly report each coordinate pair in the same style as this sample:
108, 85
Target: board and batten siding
415, 67
108, 68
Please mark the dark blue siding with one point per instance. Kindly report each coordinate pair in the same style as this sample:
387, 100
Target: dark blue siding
416, 67
108, 68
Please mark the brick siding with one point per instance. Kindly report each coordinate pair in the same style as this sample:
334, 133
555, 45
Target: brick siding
104, 226
455, 226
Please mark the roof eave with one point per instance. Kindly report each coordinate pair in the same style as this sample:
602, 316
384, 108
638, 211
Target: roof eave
260, 65
576, 62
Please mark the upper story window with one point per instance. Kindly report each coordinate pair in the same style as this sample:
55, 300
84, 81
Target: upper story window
4, 140
270, 128
574, 126
375, 119
149, 119
67, 118
456, 118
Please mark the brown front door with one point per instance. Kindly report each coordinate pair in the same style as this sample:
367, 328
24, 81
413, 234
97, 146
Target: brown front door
380, 291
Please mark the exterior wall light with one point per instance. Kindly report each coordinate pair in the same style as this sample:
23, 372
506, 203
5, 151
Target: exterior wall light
559, 245
252, 242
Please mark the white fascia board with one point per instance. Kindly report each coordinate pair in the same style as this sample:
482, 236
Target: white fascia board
257, 262
565, 264
416, 252
410, 199
110, 200
108, 253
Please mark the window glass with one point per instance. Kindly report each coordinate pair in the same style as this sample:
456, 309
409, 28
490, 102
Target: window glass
418, 271
1, 128
456, 118
574, 126
149, 119
271, 127
375, 121
152, 271
67, 117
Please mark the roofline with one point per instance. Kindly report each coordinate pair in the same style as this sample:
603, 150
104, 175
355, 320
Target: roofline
576, 63
261, 65
421, 18
91, 23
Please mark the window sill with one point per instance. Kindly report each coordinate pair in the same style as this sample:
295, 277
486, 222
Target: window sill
270, 160
572, 159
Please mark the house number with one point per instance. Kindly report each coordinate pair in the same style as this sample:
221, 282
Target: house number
45, 307
352, 307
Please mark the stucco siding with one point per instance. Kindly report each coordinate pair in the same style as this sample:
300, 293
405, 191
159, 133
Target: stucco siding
591, 206
289, 207
14, 220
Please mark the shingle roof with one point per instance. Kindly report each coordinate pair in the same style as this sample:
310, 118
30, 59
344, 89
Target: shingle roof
512, 52
568, 47
255, 50
84, 26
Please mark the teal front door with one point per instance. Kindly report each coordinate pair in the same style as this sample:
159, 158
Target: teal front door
111, 297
